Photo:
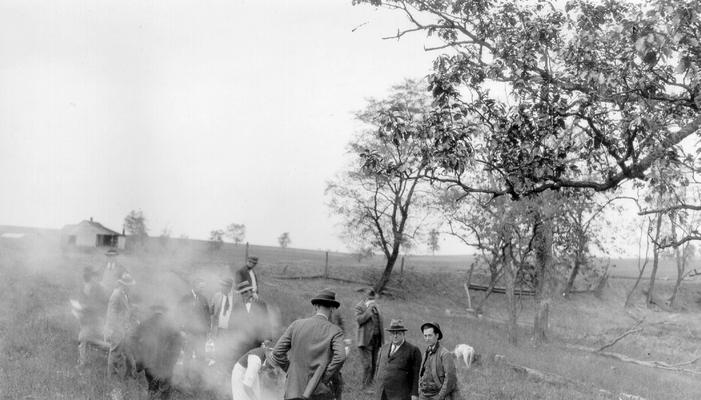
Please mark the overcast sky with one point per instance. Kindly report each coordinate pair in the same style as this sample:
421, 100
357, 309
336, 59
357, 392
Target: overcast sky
199, 113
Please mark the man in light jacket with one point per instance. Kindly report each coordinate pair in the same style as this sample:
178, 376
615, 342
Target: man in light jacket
311, 351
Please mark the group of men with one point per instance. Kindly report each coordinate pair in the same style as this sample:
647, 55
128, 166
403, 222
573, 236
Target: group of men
233, 321
311, 351
236, 323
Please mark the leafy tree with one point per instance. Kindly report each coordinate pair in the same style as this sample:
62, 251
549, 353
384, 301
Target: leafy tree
597, 93
135, 225
433, 238
216, 239
376, 195
284, 240
237, 232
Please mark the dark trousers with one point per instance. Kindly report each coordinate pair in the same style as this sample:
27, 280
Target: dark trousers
158, 387
336, 384
368, 359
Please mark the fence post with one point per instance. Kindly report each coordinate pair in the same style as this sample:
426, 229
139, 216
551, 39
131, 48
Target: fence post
326, 266
245, 260
401, 270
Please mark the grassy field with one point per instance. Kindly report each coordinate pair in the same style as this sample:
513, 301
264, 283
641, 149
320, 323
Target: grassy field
38, 334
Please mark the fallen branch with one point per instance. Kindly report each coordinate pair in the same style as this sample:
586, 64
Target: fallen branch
631, 330
650, 364
555, 379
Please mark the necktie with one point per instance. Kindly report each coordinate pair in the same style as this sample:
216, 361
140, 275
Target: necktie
394, 348
226, 304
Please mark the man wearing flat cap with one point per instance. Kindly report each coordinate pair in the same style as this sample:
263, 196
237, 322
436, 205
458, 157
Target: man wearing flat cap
311, 351
247, 274
398, 366
437, 378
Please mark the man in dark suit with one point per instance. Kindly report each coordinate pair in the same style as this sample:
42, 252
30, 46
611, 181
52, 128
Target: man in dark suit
311, 351
370, 338
252, 320
158, 343
195, 323
398, 366
247, 274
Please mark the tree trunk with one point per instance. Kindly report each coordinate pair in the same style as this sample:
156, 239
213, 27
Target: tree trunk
681, 267
387, 273
655, 261
544, 262
573, 274
680, 258
467, 285
629, 297
493, 280
510, 281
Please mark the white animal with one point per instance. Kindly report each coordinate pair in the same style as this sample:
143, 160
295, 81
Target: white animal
465, 353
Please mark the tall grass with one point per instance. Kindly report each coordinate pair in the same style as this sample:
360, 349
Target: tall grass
38, 335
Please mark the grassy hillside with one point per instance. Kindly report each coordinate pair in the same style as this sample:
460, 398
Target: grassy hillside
39, 335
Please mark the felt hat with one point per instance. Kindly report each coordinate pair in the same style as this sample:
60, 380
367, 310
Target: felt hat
126, 280
396, 325
252, 258
244, 287
326, 297
111, 252
436, 328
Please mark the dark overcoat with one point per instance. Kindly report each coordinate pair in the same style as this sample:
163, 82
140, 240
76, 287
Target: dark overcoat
398, 374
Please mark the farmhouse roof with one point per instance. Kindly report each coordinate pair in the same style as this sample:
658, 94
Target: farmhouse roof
85, 224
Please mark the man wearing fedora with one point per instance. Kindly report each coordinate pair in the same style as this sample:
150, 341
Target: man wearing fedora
223, 330
253, 322
118, 325
311, 351
398, 366
369, 338
437, 378
221, 306
246, 273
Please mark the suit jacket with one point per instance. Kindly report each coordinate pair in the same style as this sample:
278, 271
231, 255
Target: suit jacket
244, 274
254, 326
306, 346
216, 306
196, 312
398, 374
367, 317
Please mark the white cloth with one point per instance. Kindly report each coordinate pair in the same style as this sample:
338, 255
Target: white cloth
241, 377
225, 312
248, 307
254, 282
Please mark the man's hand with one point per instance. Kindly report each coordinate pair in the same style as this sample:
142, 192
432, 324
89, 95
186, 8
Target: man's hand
414, 397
